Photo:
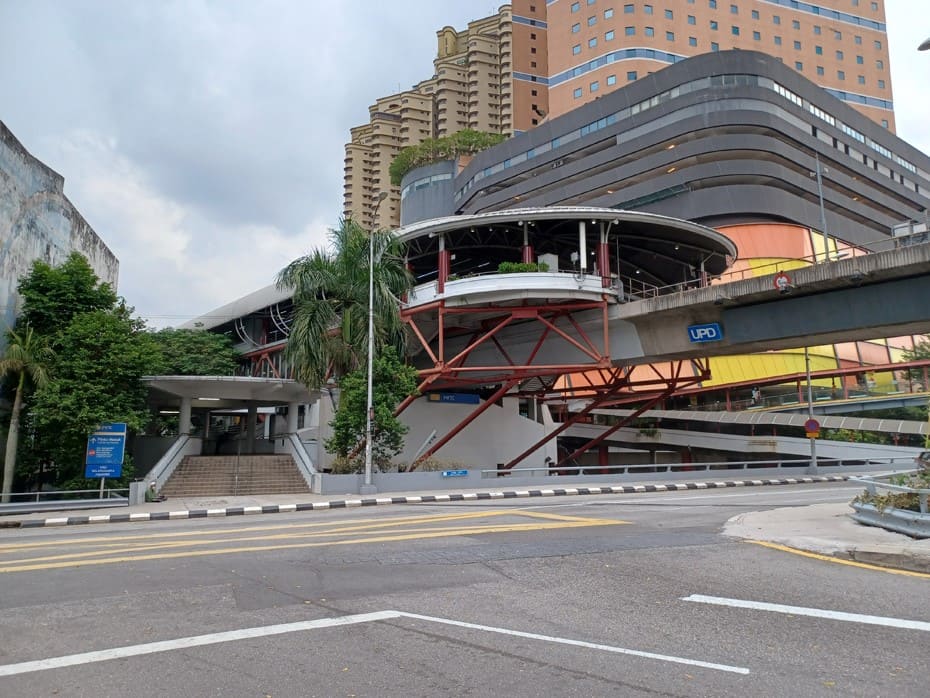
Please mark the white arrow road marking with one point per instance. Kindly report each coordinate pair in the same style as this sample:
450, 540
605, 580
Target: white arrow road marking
812, 612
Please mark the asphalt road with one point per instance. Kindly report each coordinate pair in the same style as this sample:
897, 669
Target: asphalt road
584, 596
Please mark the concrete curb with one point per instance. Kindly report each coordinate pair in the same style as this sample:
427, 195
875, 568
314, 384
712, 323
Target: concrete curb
416, 499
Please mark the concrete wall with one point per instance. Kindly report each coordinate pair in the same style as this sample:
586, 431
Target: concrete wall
496, 436
38, 222
426, 192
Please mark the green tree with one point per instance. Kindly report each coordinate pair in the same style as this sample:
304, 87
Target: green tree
52, 296
195, 353
27, 359
392, 382
100, 360
464, 142
330, 289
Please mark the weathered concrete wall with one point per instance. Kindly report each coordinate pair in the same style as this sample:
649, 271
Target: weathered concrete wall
38, 222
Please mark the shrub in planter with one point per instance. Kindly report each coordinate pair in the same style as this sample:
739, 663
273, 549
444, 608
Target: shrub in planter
521, 267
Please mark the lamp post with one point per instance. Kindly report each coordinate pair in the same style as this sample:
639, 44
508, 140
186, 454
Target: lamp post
368, 487
810, 412
823, 214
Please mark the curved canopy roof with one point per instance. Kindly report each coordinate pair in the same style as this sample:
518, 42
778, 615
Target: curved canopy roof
656, 249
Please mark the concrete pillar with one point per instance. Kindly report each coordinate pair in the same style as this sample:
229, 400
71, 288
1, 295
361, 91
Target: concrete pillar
582, 247
250, 428
603, 258
184, 418
292, 408
527, 257
445, 264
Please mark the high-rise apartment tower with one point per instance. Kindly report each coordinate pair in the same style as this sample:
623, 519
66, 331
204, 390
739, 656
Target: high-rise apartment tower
537, 59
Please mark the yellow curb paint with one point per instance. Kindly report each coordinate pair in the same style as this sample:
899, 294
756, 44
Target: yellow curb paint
839, 561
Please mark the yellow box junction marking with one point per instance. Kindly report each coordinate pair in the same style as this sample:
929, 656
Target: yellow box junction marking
103, 550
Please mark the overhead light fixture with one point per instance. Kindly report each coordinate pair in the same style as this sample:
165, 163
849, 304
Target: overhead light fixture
637, 271
677, 246
169, 412
610, 191
670, 146
209, 399
671, 169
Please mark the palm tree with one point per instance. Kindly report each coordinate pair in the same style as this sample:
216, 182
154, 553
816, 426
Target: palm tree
27, 357
329, 330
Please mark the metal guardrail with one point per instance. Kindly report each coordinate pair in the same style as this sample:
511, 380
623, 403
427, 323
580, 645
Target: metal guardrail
880, 482
39, 501
671, 468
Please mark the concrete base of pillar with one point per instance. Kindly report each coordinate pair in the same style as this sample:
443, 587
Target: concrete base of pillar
368, 489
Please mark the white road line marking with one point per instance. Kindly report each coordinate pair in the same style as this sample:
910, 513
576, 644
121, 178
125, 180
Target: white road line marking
185, 642
268, 630
812, 612
580, 643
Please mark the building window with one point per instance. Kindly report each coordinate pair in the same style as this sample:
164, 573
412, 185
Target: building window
757, 36
649, 31
818, 50
795, 24
861, 79
819, 70
630, 75
692, 41
627, 9
797, 45
817, 29
859, 60
594, 86
692, 20
713, 25
532, 49
714, 46
840, 75
885, 123
798, 66
878, 45
880, 64
874, 7
592, 20
755, 14
592, 42
591, 2
608, 13
611, 79
858, 40
776, 19
629, 31
669, 36
839, 55
669, 14
576, 27
576, 49
881, 84
778, 41
647, 9
712, 4
734, 30
609, 36
577, 93
576, 6
734, 10
838, 35
534, 93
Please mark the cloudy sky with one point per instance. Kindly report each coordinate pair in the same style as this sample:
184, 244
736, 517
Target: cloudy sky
203, 140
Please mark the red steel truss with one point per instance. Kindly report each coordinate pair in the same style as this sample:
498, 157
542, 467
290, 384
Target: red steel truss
603, 382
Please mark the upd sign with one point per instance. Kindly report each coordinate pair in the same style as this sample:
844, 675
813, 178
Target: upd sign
711, 332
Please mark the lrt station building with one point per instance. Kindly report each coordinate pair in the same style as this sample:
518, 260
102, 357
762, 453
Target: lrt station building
728, 165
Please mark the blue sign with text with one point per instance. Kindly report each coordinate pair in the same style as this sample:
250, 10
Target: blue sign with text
456, 398
105, 450
455, 473
711, 332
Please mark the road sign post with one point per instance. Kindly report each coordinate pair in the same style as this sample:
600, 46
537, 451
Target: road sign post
106, 449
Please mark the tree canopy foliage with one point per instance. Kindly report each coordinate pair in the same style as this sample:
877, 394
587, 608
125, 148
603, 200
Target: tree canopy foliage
101, 352
465, 142
329, 331
392, 382
195, 353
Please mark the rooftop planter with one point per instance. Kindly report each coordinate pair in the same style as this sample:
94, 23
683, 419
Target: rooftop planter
466, 142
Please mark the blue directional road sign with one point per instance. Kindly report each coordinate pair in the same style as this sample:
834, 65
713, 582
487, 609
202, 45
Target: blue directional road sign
105, 450
455, 473
711, 332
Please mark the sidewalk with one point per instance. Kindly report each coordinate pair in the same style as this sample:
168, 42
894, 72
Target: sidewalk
826, 529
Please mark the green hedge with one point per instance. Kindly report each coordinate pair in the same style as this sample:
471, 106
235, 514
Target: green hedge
520, 267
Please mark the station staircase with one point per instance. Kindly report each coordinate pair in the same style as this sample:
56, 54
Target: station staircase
232, 475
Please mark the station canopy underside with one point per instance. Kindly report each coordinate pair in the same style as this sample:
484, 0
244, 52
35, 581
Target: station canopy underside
653, 248
219, 392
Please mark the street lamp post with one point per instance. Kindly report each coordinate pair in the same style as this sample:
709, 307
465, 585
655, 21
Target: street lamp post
368, 487
823, 214
810, 412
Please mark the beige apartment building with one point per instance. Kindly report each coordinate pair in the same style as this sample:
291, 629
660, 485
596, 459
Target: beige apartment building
534, 59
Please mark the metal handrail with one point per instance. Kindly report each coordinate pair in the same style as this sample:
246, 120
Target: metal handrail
109, 493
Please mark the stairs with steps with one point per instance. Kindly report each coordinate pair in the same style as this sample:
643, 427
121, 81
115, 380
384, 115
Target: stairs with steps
218, 476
